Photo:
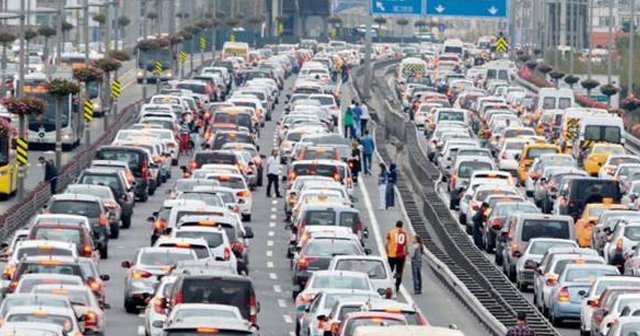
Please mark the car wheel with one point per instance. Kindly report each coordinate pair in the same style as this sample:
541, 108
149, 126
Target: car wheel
152, 191
555, 321
584, 333
144, 197
130, 307
498, 258
115, 231
126, 222
104, 252
297, 328
246, 218
452, 204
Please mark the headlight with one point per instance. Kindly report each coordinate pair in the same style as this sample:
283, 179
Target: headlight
169, 74
96, 106
140, 73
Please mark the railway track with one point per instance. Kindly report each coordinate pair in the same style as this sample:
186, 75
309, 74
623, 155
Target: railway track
484, 280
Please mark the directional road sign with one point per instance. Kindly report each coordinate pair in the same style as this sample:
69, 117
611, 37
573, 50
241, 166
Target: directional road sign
397, 7
476, 8
502, 45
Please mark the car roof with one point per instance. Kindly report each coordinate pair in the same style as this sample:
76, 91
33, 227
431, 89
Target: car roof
219, 324
75, 197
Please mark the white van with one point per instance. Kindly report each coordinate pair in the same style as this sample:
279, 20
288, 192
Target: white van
453, 46
555, 99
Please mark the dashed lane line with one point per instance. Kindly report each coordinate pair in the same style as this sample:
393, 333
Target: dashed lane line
277, 289
269, 264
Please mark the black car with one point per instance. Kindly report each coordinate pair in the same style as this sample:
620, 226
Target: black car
574, 193
138, 162
115, 180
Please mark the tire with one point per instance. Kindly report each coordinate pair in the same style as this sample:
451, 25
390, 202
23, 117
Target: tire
152, 191
144, 197
104, 252
126, 222
115, 231
498, 259
130, 307
462, 219
555, 321
452, 204
174, 162
246, 218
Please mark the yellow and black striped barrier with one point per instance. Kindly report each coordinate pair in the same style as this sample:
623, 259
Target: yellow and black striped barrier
183, 57
116, 89
88, 111
22, 149
203, 44
158, 68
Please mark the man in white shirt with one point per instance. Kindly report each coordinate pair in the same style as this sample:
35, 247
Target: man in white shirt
364, 118
273, 171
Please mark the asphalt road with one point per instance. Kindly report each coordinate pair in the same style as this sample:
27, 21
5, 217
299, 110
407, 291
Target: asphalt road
269, 268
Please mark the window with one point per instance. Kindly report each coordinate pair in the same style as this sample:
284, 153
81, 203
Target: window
549, 103
602, 133
4, 150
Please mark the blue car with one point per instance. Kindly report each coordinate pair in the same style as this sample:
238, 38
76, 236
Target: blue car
573, 284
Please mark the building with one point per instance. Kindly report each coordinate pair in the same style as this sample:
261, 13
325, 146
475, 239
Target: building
614, 12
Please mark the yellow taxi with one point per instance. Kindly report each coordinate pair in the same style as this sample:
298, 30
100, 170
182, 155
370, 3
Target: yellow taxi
531, 152
590, 215
598, 154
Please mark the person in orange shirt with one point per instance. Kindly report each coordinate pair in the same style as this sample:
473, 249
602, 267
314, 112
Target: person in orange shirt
397, 250
584, 231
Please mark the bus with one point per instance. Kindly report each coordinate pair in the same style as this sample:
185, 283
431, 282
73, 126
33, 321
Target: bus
235, 49
146, 59
8, 162
42, 129
73, 60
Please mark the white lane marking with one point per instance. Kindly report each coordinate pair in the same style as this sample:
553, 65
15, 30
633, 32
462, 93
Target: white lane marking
277, 289
273, 216
282, 303
273, 276
270, 264
272, 224
273, 209
269, 242
141, 330
141, 315
274, 202
291, 333
269, 253
378, 237
287, 319
271, 233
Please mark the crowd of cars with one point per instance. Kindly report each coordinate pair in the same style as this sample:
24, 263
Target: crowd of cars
193, 275
544, 185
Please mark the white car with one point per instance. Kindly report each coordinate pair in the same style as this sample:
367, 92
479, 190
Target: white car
507, 155
376, 267
155, 313
243, 194
586, 309
216, 238
612, 315
528, 263
628, 233
186, 311
609, 167
65, 317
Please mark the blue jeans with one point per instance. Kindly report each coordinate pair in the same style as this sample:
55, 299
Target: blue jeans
366, 164
416, 274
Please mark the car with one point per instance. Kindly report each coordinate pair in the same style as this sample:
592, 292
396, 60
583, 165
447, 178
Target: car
328, 215
139, 162
143, 272
498, 215
207, 325
572, 284
591, 299
108, 197
84, 304
65, 228
624, 326
30, 300
312, 319
187, 311
376, 267
359, 319
411, 313
216, 239
29, 281
243, 194
155, 312
64, 317
321, 280
627, 234
612, 310
532, 256
32, 328
90, 207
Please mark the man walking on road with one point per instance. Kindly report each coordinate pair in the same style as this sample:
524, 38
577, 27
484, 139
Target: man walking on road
357, 114
521, 328
368, 147
50, 173
364, 118
397, 250
273, 171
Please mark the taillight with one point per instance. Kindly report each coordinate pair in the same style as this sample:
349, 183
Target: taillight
179, 298
563, 295
95, 285
159, 305
253, 310
336, 177
595, 303
388, 293
227, 254
496, 223
9, 271
303, 264
551, 281
292, 176
91, 319
102, 220
12, 286
359, 227
159, 225
243, 193
504, 155
110, 206
86, 251
140, 274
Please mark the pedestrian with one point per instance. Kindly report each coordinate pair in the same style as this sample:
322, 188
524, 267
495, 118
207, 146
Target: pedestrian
348, 123
416, 250
364, 118
345, 72
392, 179
478, 225
382, 186
354, 161
397, 249
521, 328
273, 171
618, 257
50, 173
357, 114
368, 147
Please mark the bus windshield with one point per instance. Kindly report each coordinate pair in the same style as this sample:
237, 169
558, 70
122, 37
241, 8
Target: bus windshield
4, 150
48, 118
146, 59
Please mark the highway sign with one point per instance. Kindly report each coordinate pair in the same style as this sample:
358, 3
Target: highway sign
88, 111
441, 28
397, 7
22, 151
483, 9
502, 45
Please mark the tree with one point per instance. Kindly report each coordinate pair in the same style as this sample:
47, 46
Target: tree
609, 90
380, 20
46, 32
571, 80
153, 17
5, 39
420, 24
334, 20
66, 28
589, 84
626, 26
402, 22
232, 22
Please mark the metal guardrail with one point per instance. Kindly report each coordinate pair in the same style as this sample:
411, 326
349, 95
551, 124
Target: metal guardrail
19, 214
481, 278
631, 142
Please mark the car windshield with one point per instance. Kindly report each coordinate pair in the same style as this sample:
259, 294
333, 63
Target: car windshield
102, 179
77, 297
373, 268
73, 207
331, 247
466, 169
208, 198
201, 251
26, 285
42, 317
534, 153
59, 234
98, 192
340, 282
38, 251
214, 239
587, 274
541, 247
632, 233
230, 181
451, 116
163, 258
31, 300
562, 264
185, 314
602, 285
370, 321
315, 169
533, 228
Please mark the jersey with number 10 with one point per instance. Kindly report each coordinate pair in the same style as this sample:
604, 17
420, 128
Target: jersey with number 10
397, 240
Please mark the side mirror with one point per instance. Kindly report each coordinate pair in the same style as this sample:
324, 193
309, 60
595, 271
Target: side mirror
125, 264
307, 308
517, 157
151, 219
248, 232
367, 251
365, 233
105, 277
322, 317
6, 277
582, 293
